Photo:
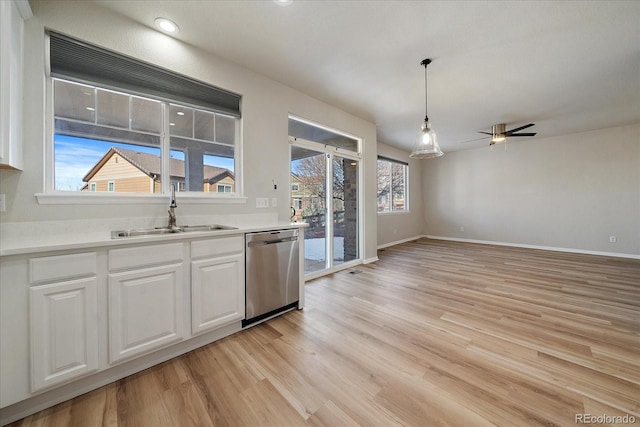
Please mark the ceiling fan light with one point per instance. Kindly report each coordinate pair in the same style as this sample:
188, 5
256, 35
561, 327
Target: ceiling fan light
427, 145
498, 138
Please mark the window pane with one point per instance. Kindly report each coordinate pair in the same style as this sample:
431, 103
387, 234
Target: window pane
200, 165
302, 130
203, 125
89, 154
113, 109
74, 101
181, 121
345, 210
146, 115
398, 186
384, 186
310, 169
131, 168
119, 151
225, 129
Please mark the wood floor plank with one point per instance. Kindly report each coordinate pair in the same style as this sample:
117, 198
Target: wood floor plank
435, 333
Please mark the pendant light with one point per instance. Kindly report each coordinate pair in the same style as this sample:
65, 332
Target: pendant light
427, 144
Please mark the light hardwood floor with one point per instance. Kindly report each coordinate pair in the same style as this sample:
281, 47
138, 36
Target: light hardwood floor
436, 333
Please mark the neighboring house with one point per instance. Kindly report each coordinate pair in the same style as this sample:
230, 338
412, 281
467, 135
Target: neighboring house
128, 171
304, 199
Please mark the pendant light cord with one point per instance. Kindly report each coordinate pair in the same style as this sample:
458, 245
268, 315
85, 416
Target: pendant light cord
425, 62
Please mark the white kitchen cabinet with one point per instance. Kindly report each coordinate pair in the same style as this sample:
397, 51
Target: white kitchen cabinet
75, 318
63, 318
64, 332
217, 283
146, 299
12, 14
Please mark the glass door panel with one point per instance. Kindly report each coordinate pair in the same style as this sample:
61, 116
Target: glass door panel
345, 209
308, 204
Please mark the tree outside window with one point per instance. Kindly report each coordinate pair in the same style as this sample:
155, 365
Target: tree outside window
392, 185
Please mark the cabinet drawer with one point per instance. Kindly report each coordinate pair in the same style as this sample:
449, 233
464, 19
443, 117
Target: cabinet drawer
216, 247
62, 267
141, 256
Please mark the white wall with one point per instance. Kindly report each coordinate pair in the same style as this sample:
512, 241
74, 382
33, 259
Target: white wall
265, 107
569, 192
397, 227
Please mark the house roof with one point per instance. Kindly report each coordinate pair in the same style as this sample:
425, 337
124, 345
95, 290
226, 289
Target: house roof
150, 165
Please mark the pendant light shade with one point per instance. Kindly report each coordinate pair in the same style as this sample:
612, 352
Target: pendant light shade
427, 143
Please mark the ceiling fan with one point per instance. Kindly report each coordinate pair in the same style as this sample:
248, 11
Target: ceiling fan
499, 133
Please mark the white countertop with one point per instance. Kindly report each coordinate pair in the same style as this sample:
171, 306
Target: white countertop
26, 244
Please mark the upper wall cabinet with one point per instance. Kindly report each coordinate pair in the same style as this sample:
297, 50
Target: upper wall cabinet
12, 15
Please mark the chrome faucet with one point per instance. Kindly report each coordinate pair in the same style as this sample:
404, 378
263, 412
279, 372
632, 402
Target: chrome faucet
172, 206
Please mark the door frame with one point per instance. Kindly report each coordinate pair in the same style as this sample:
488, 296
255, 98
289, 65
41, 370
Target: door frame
331, 151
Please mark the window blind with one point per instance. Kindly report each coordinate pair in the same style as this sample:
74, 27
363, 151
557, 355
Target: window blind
77, 60
387, 159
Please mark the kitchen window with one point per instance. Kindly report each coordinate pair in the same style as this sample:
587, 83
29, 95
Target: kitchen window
120, 123
393, 191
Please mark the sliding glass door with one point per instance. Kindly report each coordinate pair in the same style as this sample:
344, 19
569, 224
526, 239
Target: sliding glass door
325, 194
345, 209
309, 204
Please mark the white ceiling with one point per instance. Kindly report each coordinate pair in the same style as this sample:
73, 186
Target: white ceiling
567, 66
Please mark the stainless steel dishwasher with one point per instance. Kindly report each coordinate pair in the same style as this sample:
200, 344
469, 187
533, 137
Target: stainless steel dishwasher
272, 273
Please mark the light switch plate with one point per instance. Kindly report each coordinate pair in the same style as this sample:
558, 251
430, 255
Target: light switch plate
274, 202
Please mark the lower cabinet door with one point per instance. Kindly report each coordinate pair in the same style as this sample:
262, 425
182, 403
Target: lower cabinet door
217, 292
146, 310
64, 331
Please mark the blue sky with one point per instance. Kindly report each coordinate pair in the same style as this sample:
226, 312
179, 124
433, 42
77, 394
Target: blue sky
74, 158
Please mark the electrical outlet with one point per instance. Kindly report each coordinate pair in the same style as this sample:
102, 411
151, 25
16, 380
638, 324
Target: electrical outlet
274, 202
461, 228
262, 202
613, 239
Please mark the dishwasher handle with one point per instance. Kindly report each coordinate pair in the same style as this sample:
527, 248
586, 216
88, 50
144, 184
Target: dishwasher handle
272, 242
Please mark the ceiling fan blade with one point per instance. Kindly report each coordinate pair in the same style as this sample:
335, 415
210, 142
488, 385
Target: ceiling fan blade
477, 139
522, 134
510, 132
486, 133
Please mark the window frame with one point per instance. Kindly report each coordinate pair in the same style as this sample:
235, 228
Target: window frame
51, 196
405, 168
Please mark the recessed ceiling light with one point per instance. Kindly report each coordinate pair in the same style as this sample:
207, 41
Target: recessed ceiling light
172, 124
90, 108
180, 113
167, 25
283, 2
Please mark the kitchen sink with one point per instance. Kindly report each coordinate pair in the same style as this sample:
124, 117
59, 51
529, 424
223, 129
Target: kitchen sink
141, 232
188, 228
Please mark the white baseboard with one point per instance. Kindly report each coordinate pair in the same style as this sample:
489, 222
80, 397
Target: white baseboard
370, 260
546, 248
397, 242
